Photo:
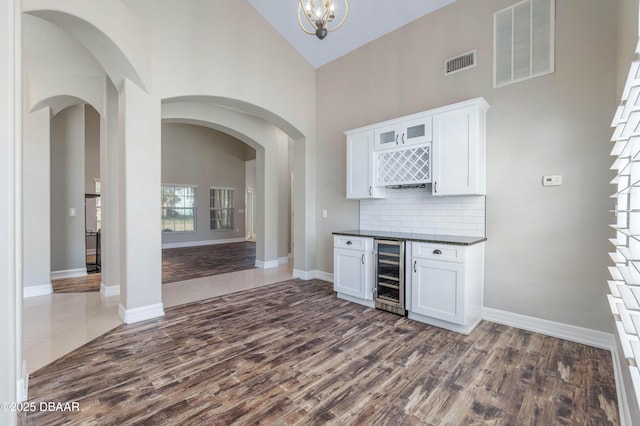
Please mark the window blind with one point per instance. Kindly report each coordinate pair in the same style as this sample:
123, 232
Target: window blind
624, 286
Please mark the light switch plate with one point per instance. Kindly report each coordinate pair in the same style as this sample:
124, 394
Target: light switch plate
552, 180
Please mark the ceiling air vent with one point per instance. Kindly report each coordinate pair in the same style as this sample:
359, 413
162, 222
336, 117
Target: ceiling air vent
459, 63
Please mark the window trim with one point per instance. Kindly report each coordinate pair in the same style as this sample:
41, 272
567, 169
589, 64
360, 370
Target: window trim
194, 208
233, 209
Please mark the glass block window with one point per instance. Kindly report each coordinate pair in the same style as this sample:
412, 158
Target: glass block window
178, 208
221, 209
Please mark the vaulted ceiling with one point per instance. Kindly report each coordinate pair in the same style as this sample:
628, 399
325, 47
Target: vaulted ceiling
367, 20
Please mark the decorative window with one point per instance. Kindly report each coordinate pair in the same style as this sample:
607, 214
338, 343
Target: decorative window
523, 41
178, 208
221, 208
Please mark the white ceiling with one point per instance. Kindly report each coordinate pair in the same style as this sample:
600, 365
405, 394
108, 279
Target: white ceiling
367, 20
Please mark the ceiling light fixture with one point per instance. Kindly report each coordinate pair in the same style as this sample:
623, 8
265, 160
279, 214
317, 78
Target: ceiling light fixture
320, 16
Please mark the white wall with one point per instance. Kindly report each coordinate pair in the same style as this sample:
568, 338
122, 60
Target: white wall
67, 189
546, 253
196, 155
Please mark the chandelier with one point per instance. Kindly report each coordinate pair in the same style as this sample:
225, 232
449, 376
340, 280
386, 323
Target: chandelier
319, 16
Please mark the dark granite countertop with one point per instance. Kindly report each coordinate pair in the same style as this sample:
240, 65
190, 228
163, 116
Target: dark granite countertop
424, 238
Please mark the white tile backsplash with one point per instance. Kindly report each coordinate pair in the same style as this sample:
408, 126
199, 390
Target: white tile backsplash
417, 211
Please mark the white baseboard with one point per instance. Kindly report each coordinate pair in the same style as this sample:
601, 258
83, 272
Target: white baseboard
37, 290
109, 290
143, 313
598, 339
267, 264
303, 275
321, 275
202, 243
283, 260
69, 273
22, 385
623, 408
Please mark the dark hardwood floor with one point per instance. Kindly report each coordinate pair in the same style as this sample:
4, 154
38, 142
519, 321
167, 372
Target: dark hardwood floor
84, 284
292, 353
180, 264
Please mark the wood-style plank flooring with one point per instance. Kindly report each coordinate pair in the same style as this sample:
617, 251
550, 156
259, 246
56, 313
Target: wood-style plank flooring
84, 284
180, 264
292, 353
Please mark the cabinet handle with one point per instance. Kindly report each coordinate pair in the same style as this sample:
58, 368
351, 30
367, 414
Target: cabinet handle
370, 192
415, 262
349, 243
396, 139
437, 251
363, 258
403, 139
435, 187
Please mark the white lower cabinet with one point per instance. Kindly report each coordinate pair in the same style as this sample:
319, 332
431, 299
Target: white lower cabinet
353, 268
446, 285
438, 290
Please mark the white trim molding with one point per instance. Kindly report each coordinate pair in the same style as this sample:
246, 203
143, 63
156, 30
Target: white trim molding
22, 385
202, 243
598, 339
325, 276
283, 260
143, 313
621, 390
37, 290
267, 264
69, 273
109, 290
303, 275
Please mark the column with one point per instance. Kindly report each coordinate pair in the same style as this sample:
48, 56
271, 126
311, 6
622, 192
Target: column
140, 242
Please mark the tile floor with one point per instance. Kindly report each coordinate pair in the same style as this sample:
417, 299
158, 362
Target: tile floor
56, 324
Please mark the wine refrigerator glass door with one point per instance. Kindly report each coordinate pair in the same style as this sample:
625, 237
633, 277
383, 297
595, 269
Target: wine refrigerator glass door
389, 276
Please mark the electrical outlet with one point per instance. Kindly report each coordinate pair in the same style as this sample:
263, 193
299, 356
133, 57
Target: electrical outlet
552, 180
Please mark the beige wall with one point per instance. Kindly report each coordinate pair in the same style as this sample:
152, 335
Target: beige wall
195, 155
67, 189
546, 254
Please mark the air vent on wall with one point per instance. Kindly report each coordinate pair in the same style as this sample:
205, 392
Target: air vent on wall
459, 63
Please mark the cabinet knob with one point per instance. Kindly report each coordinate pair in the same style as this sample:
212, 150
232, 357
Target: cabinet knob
437, 251
349, 243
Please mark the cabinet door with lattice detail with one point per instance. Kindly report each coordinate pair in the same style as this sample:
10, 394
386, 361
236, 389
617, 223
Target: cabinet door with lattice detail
405, 166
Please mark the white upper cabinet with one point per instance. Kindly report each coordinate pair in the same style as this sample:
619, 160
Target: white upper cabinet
458, 155
443, 146
361, 166
403, 132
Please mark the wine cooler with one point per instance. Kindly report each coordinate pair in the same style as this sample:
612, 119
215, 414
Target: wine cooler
389, 276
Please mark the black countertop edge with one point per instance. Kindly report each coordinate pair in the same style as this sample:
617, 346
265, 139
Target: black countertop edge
423, 238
